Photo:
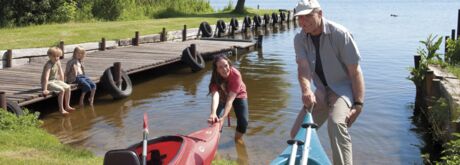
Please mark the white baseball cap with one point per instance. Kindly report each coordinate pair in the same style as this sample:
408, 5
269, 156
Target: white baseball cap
305, 7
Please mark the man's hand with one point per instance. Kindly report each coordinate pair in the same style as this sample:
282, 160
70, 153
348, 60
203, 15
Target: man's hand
353, 115
308, 98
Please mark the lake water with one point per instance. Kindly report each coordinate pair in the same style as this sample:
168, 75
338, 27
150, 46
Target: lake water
178, 103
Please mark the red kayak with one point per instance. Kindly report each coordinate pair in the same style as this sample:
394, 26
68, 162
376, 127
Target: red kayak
196, 148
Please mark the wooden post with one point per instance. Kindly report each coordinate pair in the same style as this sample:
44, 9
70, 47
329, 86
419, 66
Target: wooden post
233, 31
289, 16
3, 101
193, 50
458, 24
453, 34
293, 17
102, 45
445, 45
163, 35
136, 38
61, 46
9, 58
116, 72
416, 61
429, 75
436, 89
184, 33
259, 41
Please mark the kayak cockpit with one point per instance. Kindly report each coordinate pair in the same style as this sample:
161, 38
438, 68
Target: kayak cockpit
160, 150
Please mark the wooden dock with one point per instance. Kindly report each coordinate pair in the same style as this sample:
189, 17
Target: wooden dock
21, 84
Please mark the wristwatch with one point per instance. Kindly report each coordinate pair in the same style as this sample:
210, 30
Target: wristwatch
357, 103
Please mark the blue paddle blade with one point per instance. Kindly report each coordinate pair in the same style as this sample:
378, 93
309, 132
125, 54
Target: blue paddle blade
317, 154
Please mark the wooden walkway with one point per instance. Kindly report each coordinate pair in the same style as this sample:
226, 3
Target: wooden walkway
22, 83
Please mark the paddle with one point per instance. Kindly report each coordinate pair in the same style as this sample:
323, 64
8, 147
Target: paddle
309, 125
294, 144
144, 142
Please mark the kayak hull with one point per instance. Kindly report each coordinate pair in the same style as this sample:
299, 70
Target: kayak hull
317, 155
195, 148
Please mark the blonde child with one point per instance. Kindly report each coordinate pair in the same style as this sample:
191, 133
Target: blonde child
75, 73
53, 80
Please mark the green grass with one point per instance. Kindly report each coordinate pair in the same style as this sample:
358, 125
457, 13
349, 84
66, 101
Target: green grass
454, 70
74, 33
35, 146
22, 141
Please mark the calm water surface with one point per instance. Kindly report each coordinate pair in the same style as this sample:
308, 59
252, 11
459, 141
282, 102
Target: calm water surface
178, 102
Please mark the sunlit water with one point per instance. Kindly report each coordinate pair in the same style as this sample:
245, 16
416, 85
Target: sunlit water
177, 102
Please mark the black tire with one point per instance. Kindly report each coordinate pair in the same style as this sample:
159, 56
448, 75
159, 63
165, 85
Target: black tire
234, 24
247, 22
117, 92
195, 63
257, 21
275, 18
13, 107
266, 19
221, 26
205, 29
283, 16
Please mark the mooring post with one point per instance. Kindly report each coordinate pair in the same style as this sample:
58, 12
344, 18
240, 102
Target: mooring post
136, 38
61, 46
429, 76
259, 41
163, 35
416, 61
293, 16
102, 45
458, 24
193, 50
9, 58
453, 34
116, 72
3, 100
184, 33
288, 16
445, 45
436, 89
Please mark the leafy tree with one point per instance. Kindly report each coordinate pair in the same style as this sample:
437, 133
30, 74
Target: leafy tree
453, 52
27, 12
107, 9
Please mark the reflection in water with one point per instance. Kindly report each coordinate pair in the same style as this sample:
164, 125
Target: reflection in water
243, 158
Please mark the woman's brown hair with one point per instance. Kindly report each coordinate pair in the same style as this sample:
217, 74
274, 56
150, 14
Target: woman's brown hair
216, 78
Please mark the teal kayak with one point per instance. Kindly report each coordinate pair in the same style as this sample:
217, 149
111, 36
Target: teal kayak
316, 156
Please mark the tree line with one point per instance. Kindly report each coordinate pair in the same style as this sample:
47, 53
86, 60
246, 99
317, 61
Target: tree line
34, 12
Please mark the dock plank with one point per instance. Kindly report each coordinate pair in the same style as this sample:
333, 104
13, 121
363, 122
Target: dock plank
22, 83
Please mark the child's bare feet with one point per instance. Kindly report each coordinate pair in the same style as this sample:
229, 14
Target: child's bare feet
70, 108
91, 102
64, 112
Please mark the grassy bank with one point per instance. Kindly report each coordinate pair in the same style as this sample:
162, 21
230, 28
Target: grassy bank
74, 33
23, 142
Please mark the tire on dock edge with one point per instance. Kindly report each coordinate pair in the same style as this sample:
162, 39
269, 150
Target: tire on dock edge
125, 89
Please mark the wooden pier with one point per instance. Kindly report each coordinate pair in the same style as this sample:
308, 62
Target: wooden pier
21, 84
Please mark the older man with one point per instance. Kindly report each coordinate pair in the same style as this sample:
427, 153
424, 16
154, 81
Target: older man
327, 55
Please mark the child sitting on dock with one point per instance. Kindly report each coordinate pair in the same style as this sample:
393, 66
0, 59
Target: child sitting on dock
75, 73
53, 80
